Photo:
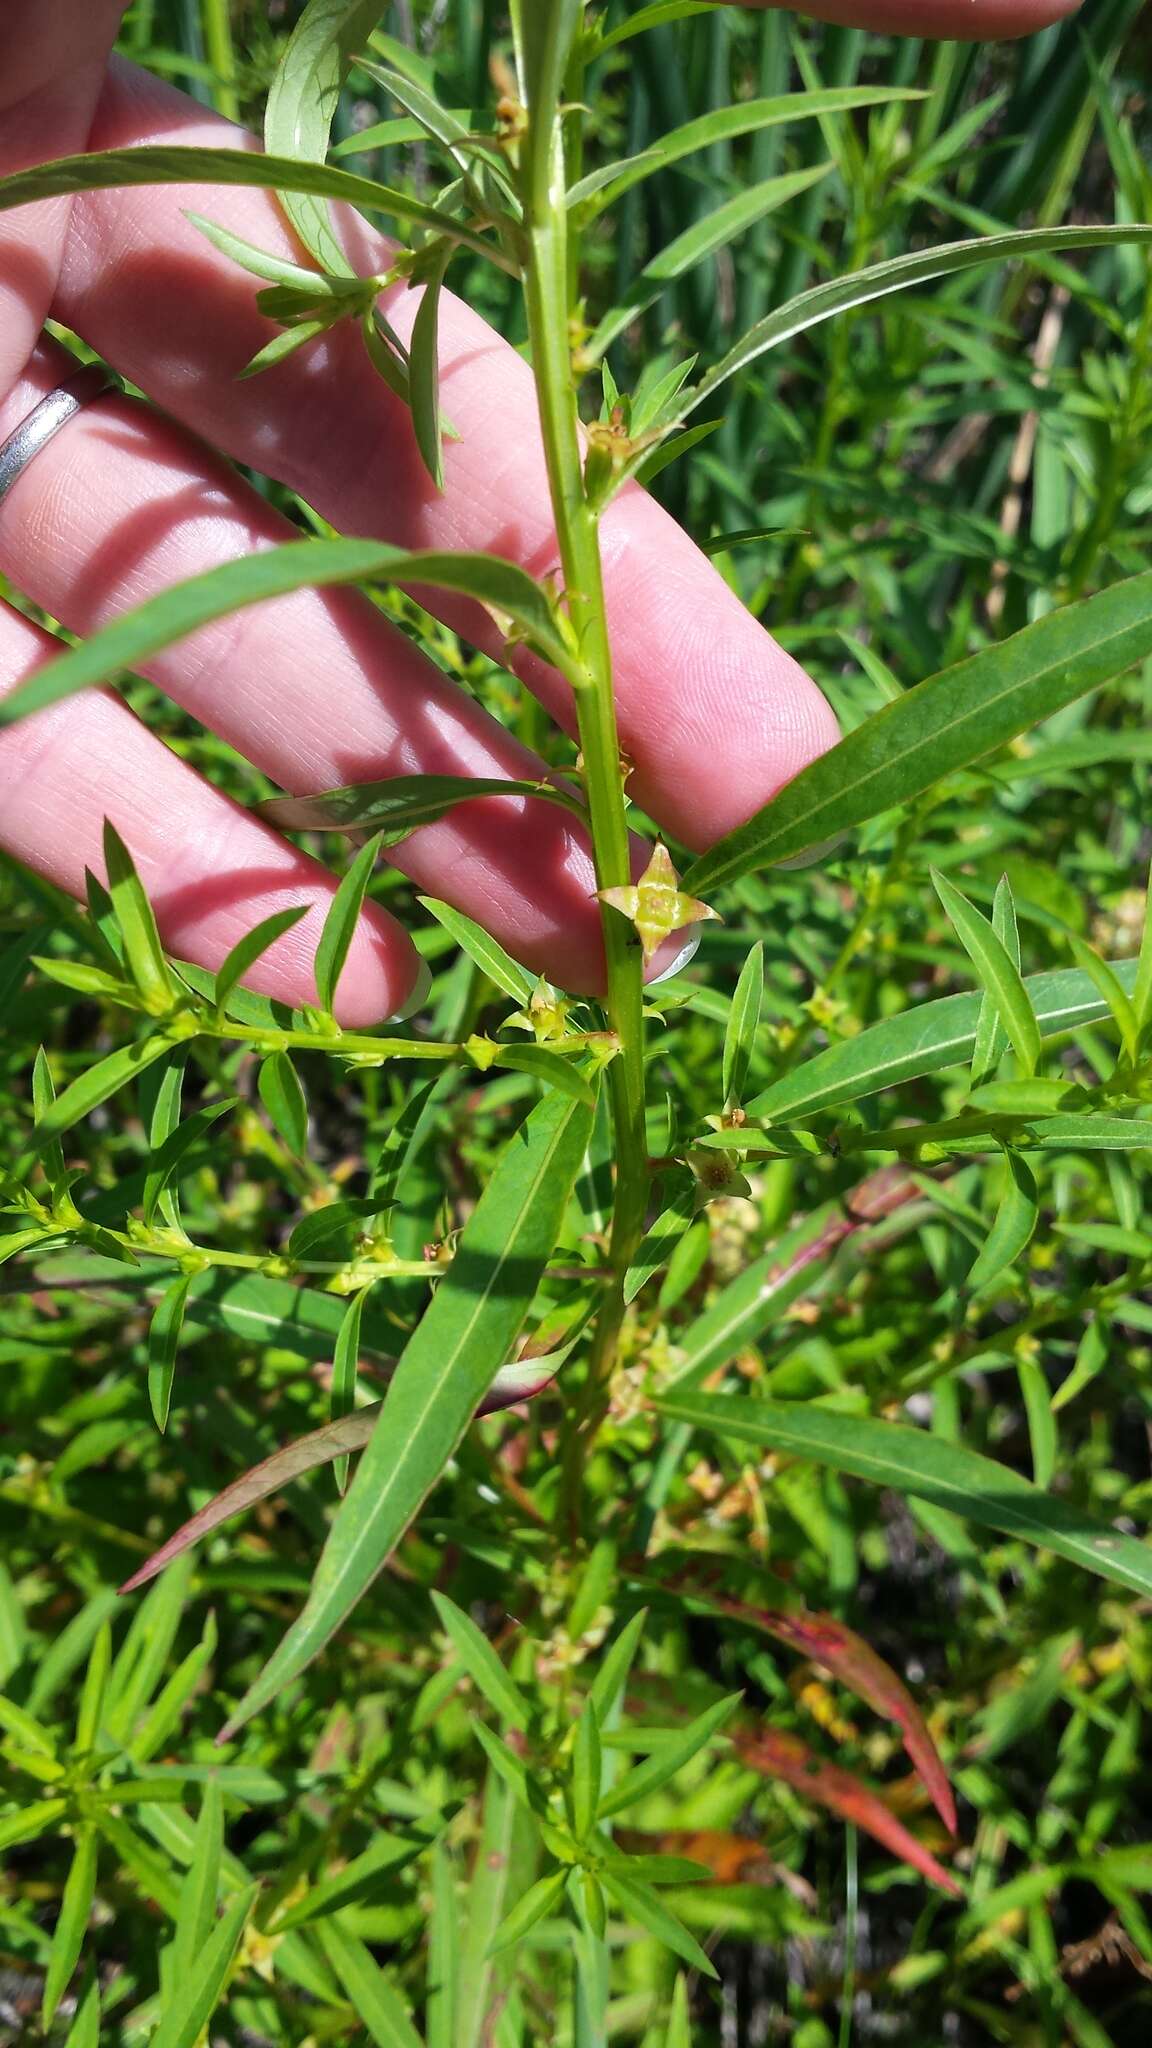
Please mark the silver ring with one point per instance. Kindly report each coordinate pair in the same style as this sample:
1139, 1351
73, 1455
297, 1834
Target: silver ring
46, 419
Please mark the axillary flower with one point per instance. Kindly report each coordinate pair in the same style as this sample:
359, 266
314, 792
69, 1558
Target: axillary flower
656, 905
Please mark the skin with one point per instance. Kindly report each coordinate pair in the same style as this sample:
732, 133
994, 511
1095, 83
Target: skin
318, 688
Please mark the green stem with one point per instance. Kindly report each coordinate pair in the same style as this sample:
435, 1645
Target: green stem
548, 267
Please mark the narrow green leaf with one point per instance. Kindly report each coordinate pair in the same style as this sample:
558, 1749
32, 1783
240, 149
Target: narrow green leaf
302, 104
930, 1468
703, 238
490, 957
661, 1241
670, 1758
341, 921
723, 124
30, 1822
1013, 1227
26, 1729
679, 2033
484, 1909
351, 1883
586, 1773
94, 1692
1121, 1006
899, 273
447, 1367
481, 1663
131, 640
924, 1040
85, 2029
137, 924
639, 1902
424, 372
944, 724
401, 804
195, 1998
249, 949
72, 1922
743, 1026
543, 1898
1142, 991
43, 1099
443, 1953
609, 1682
89, 1090
163, 1346
345, 1369
509, 1768
1091, 1358
991, 1037
283, 1098
167, 1157
1038, 1409
998, 973
165, 164
398, 1148
376, 2004
553, 1068
748, 1304
196, 1914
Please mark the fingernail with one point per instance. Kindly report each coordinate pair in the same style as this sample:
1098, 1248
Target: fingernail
688, 952
418, 997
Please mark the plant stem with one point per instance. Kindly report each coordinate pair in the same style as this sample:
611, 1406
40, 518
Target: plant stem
547, 289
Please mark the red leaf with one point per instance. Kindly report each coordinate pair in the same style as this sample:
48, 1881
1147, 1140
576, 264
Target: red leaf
856, 1664
777, 1755
513, 1383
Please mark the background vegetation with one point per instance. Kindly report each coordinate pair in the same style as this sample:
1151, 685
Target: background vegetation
918, 480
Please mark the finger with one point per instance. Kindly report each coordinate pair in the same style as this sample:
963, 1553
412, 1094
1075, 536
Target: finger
211, 870
714, 714
970, 21
317, 688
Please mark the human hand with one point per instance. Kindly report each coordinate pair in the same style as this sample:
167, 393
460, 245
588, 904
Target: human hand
318, 688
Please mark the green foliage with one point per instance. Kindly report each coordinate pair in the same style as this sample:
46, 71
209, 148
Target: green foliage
735, 1397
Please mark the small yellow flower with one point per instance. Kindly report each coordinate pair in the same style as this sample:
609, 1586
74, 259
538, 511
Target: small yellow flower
656, 905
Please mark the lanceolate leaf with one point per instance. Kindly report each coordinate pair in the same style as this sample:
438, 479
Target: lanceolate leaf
640, 1902
302, 104
1013, 1226
714, 231
924, 1040
106, 169
195, 1997
855, 1663
334, 1440
489, 956
942, 725
340, 923
399, 806
163, 1345
131, 640
424, 373
446, 1369
998, 972
748, 117
860, 287
743, 1025
780, 1755
481, 1663
929, 1468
